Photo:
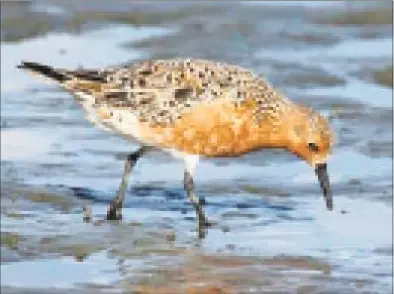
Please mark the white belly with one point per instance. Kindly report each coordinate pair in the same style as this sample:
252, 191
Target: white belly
87, 103
124, 123
121, 122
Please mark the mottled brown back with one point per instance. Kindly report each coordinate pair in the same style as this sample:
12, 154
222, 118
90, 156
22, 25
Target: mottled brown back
161, 91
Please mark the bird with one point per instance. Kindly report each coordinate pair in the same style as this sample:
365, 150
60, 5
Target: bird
192, 108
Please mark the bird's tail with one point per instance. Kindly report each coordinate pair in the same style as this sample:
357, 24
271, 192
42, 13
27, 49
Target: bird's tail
56, 75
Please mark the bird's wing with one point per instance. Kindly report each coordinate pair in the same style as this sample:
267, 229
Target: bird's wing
161, 91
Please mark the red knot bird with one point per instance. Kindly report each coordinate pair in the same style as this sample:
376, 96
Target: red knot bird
192, 108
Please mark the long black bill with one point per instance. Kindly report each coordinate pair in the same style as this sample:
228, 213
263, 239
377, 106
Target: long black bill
321, 172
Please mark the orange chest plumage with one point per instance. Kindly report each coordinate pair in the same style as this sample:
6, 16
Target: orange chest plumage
221, 129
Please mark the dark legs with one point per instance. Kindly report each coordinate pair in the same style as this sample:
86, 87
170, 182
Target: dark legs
115, 208
189, 188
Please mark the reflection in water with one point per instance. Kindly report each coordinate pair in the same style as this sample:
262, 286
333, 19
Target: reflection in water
271, 229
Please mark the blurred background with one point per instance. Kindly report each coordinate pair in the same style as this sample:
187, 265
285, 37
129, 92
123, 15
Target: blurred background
273, 234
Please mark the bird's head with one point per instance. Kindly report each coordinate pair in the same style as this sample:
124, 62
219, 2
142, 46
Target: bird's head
311, 138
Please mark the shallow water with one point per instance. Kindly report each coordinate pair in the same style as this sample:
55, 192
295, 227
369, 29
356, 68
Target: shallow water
272, 233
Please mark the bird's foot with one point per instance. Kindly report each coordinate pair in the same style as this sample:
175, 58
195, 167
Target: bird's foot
87, 213
207, 223
203, 225
114, 211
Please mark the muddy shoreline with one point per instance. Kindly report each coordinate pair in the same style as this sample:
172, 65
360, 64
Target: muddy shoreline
273, 234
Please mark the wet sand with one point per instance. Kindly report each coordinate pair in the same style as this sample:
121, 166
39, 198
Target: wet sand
272, 233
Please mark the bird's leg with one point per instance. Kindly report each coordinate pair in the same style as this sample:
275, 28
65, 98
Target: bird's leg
115, 209
190, 190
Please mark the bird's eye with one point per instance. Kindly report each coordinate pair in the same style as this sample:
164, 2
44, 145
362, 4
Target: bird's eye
313, 147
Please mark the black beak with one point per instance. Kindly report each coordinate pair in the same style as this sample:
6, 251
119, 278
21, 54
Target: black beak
321, 172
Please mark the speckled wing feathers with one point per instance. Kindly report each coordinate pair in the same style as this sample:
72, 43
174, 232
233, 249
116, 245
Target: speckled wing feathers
161, 91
